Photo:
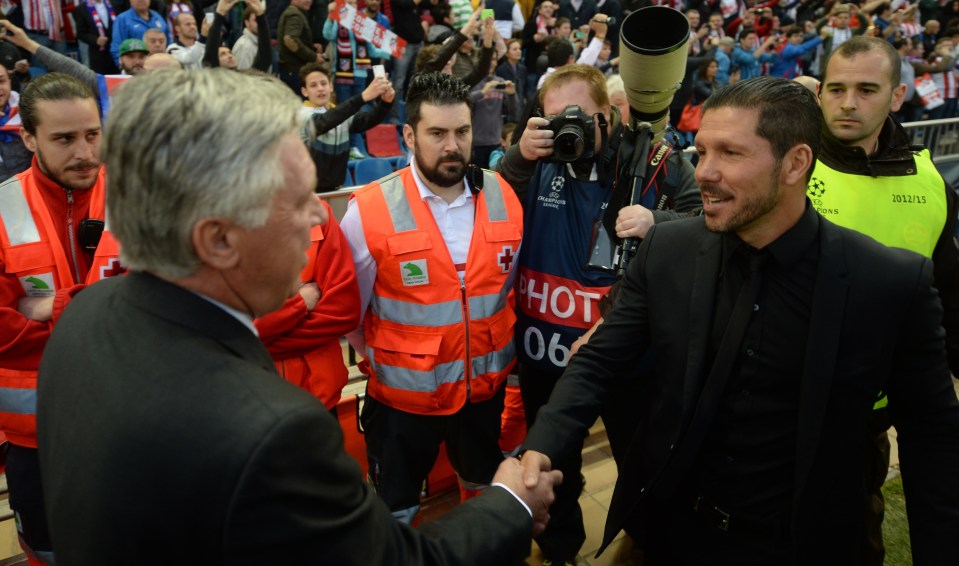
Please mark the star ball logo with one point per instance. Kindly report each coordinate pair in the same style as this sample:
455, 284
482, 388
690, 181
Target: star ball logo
553, 199
555, 186
816, 189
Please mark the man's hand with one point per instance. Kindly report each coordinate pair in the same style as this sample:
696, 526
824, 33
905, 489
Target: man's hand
224, 6
290, 44
536, 143
488, 88
39, 309
489, 31
469, 29
633, 222
311, 295
331, 9
582, 340
22, 66
510, 87
377, 88
18, 37
389, 95
535, 486
598, 24
102, 41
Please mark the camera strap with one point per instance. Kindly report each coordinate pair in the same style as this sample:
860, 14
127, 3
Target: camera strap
601, 154
629, 166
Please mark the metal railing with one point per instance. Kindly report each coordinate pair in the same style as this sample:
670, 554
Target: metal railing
940, 137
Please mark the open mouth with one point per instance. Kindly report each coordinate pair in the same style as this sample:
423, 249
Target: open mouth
711, 203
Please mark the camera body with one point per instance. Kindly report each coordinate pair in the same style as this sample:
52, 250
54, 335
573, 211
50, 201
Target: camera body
574, 135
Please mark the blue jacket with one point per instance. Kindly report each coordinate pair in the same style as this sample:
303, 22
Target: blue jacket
747, 63
129, 25
785, 65
722, 73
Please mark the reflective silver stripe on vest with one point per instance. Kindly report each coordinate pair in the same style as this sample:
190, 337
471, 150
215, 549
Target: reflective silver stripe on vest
406, 379
400, 212
416, 314
495, 361
16, 215
18, 401
493, 193
484, 306
512, 380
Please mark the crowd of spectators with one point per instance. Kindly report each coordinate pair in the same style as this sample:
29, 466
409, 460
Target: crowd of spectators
503, 56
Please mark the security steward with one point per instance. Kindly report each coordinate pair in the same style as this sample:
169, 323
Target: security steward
434, 249
871, 179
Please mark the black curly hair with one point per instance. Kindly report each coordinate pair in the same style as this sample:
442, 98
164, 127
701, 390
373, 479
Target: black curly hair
438, 89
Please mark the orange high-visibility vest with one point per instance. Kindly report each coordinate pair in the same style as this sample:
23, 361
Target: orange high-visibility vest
32, 253
435, 342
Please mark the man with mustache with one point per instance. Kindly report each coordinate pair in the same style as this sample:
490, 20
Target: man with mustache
51, 222
772, 331
434, 246
870, 178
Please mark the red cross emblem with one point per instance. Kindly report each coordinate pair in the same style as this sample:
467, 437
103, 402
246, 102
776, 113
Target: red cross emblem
112, 268
505, 258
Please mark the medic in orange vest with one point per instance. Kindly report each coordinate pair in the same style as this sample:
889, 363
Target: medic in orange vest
423, 320
52, 245
35, 216
303, 336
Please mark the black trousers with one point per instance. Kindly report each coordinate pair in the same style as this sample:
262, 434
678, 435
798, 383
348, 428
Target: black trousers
876, 460
680, 537
26, 497
565, 533
402, 447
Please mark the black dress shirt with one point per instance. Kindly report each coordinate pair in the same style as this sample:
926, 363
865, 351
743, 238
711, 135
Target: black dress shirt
748, 459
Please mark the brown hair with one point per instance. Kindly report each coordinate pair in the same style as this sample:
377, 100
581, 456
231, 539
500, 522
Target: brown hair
569, 73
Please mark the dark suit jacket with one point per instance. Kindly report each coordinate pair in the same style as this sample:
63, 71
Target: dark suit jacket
576, 17
167, 436
100, 61
874, 325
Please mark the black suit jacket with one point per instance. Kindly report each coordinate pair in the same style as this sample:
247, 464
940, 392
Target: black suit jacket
100, 60
166, 436
874, 325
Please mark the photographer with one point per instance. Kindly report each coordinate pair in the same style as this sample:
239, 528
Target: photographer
564, 199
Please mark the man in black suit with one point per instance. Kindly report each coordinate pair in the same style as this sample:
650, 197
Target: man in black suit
773, 333
165, 432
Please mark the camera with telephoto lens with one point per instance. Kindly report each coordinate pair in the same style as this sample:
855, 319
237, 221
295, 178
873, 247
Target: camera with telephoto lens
574, 135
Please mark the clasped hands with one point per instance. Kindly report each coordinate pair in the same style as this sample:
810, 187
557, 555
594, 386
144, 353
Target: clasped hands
533, 481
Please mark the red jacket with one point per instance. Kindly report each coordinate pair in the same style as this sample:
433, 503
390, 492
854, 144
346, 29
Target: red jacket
306, 344
43, 260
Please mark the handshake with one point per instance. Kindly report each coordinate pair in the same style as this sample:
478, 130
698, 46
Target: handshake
532, 481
